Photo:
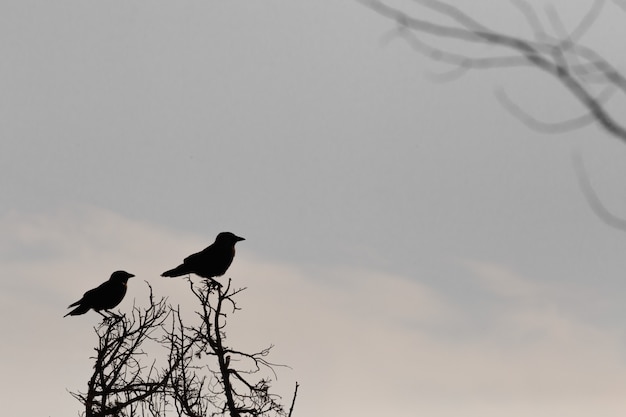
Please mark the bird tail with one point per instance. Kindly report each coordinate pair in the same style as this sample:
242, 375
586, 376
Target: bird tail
176, 272
81, 309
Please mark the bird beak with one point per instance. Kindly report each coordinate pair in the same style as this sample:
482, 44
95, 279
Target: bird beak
130, 275
240, 238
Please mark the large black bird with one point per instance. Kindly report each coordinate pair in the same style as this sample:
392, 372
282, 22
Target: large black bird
104, 296
210, 262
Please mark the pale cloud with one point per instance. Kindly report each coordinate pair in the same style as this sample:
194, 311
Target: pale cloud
501, 281
360, 342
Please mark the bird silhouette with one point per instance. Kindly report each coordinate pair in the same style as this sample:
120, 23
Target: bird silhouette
105, 296
211, 262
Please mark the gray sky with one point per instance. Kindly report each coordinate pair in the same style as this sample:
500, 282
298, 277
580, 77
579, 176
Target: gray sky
411, 249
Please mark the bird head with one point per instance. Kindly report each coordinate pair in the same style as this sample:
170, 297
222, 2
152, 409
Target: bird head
228, 238
120, 276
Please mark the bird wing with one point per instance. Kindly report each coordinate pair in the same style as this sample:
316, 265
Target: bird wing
200, 257
87, 296
96, 293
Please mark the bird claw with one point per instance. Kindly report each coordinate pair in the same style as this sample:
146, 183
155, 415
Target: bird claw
112, 317
213, 284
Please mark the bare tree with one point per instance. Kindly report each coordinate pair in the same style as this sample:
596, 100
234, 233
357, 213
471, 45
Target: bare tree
235, 383
155, 363
124, 378
558, 51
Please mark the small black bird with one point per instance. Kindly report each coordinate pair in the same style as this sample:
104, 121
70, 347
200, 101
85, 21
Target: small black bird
210, 262
104, 296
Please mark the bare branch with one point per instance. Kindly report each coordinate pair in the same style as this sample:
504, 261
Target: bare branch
621, 4
531, 18
588, 20
592, 198
539, 125
293, 401
459, 60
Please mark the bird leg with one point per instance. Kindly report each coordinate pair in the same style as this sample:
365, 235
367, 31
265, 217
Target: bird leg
102, 314
213, 283
111, 316
115, 316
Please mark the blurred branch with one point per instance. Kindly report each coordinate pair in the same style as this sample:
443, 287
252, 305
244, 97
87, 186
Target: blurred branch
592, 198
576, 67
542, 126
620, 3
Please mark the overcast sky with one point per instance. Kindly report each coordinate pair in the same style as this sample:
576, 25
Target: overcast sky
411, 248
